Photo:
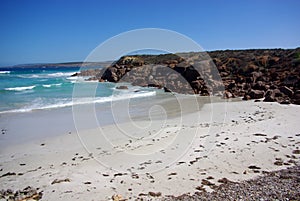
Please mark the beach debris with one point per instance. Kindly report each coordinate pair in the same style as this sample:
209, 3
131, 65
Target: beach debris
33, 170
8, 174
134, 176
278, 162
154, 194
200, 188
172, 173
57, 181
224, 180
117, 197
119, 174
87, 182
260, 134
28, 193
253, 167
209, 178
296, 151
207, 183
277, 185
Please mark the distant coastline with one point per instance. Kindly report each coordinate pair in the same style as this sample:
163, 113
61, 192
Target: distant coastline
62, 64
101, 63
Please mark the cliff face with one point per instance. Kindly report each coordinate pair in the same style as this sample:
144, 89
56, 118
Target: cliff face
270, 74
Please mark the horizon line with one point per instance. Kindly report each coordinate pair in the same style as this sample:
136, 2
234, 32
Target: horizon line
77, 62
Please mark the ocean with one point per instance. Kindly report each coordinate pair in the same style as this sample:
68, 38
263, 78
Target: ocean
39, 102
26, 89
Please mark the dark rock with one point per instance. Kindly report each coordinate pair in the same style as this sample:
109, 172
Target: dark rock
256, 94
155, 85
246, 97
296, 151
278, 163
200, 188
285, 102
253, 167
153, 194
296, 97
259, 86
227, 94
207, 183
57, 181
167, 90
287, 91
223, 180
260, 134
87, 182
8, 174
122, 87
291, 80
28, 193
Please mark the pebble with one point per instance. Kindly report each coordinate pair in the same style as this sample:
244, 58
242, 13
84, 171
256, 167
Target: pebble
277, 185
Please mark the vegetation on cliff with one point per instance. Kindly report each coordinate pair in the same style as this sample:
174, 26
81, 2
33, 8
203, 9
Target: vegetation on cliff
271, 74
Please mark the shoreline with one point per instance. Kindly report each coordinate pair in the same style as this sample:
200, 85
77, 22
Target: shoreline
243, 140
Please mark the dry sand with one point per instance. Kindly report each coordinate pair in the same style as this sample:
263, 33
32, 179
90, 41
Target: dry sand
186, 154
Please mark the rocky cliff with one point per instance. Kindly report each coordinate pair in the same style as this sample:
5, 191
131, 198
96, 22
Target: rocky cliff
271, 74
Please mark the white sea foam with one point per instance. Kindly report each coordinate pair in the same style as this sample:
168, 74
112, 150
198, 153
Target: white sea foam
20, 88
60, 74
76, 79
72, 78
40, 105
50, 85
4, 72
49, 75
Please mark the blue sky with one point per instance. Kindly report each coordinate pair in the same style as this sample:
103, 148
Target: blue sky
34, 31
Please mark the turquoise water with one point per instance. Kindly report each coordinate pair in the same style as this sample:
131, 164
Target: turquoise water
25, 89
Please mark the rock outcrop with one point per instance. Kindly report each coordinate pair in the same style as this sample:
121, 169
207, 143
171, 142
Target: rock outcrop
268, 74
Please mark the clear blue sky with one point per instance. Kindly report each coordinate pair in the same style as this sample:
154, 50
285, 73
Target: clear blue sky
35, 31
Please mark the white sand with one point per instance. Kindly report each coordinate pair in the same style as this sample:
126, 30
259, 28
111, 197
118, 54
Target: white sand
158, 158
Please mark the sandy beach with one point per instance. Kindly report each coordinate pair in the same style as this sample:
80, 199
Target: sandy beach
236, 140
149, 100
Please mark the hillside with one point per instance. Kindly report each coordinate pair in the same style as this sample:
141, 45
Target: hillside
271, 74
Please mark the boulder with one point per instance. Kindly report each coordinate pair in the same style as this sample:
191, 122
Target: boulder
256, 94
246, 97
277, 93
227, 95
269, 96
167, 90
287, 91
259, 85
285, 101
231, 85
296, 97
